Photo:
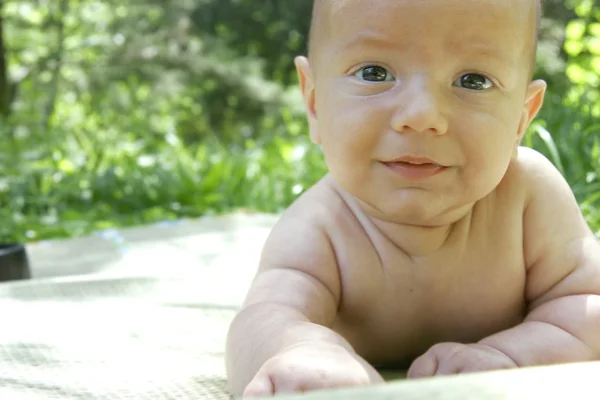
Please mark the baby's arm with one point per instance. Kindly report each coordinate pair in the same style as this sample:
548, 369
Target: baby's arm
281, 340
563, 288
563, 279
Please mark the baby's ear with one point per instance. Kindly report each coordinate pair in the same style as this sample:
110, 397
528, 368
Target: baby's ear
307, 86
533, 103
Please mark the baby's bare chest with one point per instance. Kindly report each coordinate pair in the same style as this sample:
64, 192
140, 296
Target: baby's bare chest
395, 305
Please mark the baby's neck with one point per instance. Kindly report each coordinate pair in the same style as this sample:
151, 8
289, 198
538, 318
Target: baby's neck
420, 241
413, 239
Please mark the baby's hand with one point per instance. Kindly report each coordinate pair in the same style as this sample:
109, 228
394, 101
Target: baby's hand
454, 358
310, 366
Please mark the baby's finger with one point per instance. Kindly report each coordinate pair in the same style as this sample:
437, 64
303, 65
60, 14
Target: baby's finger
261, 385
424, 366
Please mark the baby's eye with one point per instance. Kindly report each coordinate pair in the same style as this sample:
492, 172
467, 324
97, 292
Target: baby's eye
374, 73
474, 82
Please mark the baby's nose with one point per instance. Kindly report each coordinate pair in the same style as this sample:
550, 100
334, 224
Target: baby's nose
419, 109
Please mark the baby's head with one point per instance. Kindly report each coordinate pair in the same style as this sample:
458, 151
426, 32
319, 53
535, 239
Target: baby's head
447, 82
322, 10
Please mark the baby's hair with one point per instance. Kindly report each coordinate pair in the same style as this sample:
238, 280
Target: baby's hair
318, 13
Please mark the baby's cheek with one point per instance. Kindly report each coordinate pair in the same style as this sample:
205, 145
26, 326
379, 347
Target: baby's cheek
351, 138
483, 174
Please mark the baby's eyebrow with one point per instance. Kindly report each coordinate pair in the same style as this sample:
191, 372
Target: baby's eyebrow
477, 49
370, 38
483, 50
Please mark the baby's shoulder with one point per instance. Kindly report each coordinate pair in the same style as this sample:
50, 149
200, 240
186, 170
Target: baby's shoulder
302, 240
303, 234
529, 172
321, 207
532, 162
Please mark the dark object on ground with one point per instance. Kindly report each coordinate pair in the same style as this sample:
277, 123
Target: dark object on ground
14, 264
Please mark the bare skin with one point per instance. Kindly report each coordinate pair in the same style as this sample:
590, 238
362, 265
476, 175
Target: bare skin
393, 299
487, 264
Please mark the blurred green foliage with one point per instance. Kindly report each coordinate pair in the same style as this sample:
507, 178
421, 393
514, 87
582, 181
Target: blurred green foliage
117, 113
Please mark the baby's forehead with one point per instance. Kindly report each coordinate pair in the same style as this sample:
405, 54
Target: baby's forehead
341, 19
334, 6
338, 11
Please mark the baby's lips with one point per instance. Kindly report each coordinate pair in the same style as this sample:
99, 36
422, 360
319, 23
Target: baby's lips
416, 160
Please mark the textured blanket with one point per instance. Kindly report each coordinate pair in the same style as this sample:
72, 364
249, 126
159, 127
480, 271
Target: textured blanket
131, 314
135, 338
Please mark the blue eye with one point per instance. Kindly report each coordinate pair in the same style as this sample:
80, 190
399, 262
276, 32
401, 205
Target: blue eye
374, 73
474, 82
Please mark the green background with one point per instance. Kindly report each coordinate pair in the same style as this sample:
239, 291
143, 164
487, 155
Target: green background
116, 113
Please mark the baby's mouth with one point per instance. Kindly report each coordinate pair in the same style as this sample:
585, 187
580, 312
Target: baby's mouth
414, 162
416, 165
415, 169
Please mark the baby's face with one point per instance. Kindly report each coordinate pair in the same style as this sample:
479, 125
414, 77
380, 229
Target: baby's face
444, 80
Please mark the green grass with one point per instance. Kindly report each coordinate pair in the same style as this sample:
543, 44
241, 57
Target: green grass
63, 188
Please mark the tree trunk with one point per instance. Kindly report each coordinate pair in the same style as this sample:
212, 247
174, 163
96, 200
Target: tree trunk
58, 21
5, 87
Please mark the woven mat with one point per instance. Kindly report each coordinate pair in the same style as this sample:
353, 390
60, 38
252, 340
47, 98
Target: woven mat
139, 313
109, 338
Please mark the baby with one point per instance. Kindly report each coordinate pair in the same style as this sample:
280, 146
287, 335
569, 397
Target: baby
435, 241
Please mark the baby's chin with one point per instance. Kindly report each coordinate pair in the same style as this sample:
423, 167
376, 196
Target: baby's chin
415, 208
435, 207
